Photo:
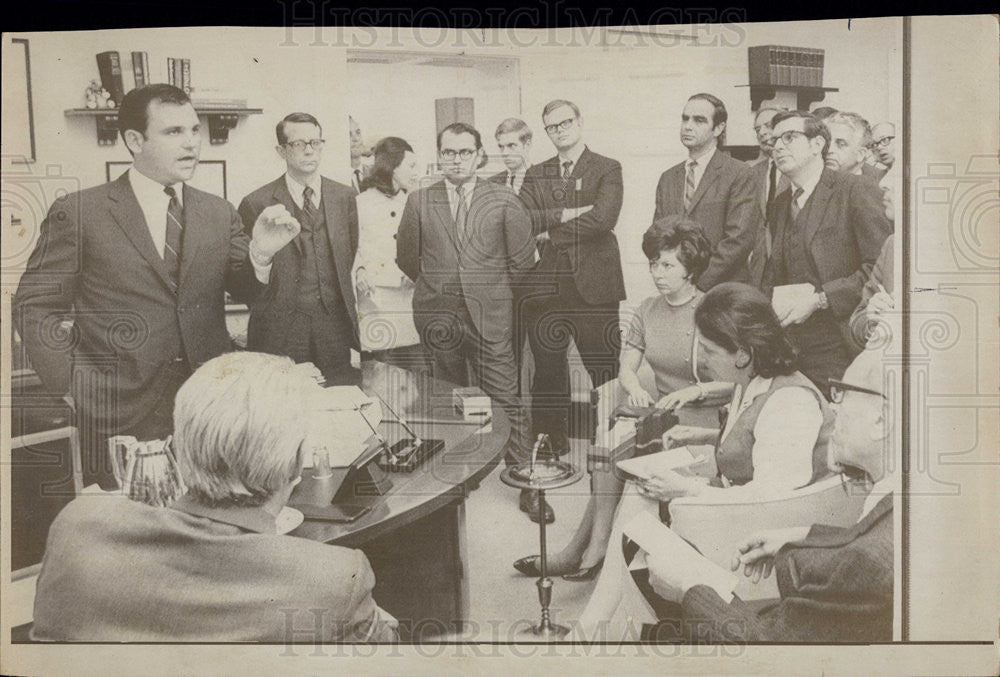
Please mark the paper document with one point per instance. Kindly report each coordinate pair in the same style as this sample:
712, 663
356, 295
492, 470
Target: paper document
346, 397
686, 563
645, 467
788, 295
343, 432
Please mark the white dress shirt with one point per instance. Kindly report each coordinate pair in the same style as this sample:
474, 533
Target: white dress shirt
518, 178
699, 169
450, 187
296, 189
880, 490
573, 156
154, 202
784, 436
808, 185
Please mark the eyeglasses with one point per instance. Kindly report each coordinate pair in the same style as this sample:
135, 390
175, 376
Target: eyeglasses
449, 154
560, 126
838, 388
299, 145
786, 138
883, 142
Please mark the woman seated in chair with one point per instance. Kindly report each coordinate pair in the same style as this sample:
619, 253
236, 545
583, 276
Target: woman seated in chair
773, 436
662, 333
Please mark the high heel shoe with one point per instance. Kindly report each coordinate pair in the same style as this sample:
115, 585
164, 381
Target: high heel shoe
585, 574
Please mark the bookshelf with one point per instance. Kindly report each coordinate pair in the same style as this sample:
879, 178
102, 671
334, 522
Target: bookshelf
220, 121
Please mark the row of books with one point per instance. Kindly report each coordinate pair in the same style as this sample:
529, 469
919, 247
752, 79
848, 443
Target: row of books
110, 68
790, 66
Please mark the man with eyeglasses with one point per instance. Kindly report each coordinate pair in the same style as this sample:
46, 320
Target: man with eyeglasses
712, 189
574, 199
836, 583
464, 242
883, 136
768, 180
829, 229
307, 311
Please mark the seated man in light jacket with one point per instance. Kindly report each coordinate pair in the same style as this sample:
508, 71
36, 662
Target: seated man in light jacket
212, 567
835, 583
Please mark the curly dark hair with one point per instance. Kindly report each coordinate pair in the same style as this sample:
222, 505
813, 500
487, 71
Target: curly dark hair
389, 153
736, 316
681, 234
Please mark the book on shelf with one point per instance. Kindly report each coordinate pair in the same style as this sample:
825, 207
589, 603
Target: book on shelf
186, 75
110, 68
140, 68
778, 65
170, 72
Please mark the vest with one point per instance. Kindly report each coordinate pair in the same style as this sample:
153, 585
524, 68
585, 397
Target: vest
319, 287
734, 455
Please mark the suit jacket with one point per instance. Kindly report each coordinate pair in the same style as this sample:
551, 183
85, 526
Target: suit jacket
760, 175
724, 205
872, 172
500, 179
268, 329
844, 226
497, 249
588, 240
118, 570
835, 586
882, 274
95, 262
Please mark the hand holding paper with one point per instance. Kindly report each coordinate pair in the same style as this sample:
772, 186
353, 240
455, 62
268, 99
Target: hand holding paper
674, 566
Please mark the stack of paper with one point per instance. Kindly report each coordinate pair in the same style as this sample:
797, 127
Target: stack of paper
788, 295
644, 467
687, 567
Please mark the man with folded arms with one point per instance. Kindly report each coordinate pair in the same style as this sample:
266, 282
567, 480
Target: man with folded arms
213, 567
836, 583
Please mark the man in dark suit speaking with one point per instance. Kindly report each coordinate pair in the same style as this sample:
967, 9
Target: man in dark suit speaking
713, 190
463, 241
307, 310
140, 265
574, 199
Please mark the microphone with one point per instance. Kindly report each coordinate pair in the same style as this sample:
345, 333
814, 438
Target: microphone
402, 421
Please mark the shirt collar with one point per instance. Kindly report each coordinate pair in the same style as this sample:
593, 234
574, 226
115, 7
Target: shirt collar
147, 190
296, 188
705, 157
470, 185
809, 185
757, 386
247, 518
574, 156
880, 490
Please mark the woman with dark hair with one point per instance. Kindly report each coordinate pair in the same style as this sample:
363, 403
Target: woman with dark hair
385, 294
662, 332
773, 436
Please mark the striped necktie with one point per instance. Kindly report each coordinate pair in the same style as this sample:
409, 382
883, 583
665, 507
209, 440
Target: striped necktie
689, 185
174, 236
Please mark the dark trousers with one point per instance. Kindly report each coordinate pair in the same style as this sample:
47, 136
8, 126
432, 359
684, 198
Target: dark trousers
325, 340
822, 352
415, 358
553, 319
456, 345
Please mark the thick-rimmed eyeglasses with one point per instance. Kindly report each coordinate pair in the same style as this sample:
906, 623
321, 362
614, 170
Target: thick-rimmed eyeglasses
449, 154
299, 145
786, 138
560, 126
883, 142
838, 388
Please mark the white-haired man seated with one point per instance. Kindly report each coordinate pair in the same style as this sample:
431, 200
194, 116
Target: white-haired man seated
212, 566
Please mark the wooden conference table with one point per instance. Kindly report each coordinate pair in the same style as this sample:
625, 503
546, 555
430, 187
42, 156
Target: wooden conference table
414, 536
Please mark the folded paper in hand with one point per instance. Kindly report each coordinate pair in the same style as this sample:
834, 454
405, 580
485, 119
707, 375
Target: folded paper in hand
687, 566
788, 295
644, 467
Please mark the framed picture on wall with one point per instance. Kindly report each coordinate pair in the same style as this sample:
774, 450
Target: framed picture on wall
209, 177
19, 122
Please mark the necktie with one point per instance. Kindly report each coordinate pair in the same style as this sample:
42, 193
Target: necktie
689, 185
174, 236
461, 211
308, 209
357, 179
795, 208
567, 169
772, 179
510, 181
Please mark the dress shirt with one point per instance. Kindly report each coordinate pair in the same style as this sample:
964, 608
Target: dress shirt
880, 490
573, 156
699, 169
518, 178
450, 187
154, 201
784, 436
808, 185
296, 188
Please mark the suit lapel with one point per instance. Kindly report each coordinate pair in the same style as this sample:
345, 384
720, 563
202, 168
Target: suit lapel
283, 197
845, 536
335, 230
441, 207
710, 176
480, 189
819, 200
127, 213
197, 227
